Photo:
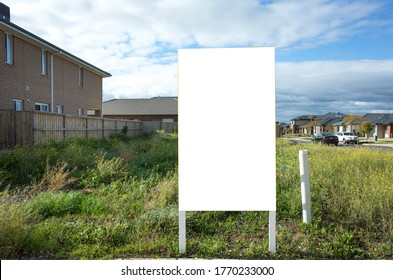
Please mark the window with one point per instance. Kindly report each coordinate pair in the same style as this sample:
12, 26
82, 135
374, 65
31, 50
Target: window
59, 109
80, 112
91, 112
17, 105
44, 63
43, 107
81, 77
9, 49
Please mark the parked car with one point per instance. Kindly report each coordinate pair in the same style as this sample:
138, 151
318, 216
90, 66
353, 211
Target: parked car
347, 137
325, 138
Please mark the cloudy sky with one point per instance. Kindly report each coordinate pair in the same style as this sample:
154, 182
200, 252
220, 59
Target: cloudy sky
331, 56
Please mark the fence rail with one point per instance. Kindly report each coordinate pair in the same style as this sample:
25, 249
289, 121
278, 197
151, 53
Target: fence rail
24, 127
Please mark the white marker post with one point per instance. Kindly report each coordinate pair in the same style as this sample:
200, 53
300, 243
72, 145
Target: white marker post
182, 231
305, 186
272, 231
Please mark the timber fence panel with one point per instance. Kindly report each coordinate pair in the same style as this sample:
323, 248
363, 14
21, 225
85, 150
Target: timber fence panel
95, 128
46, 126
110, 127
169, 127
24, 127
150, 127
134, 128
75, 127
6, 129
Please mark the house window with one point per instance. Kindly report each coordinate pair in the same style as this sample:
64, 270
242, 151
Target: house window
9, 49
59, 109
91, 112
17, 105
42, 107
44, 63
80, 112
81, 77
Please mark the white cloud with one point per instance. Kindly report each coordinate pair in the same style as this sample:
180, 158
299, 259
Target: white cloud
136, 42
318, 87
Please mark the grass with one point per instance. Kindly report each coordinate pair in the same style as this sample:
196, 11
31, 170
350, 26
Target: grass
117, 198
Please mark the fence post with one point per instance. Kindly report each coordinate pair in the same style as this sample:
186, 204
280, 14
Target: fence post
33, 124
64, 127
87, 125
305, 186
13, 117
103, 128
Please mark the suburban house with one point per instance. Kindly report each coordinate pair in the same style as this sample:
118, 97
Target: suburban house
299, 124
382, 122
162, 109
37, 75
329, 122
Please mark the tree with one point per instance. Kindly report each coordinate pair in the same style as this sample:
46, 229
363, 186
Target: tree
366, 128
329, 128
310, 126
353, 120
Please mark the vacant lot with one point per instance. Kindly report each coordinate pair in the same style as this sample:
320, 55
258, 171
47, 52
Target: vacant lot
117, 198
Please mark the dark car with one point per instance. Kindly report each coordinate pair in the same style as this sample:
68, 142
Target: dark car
325, 138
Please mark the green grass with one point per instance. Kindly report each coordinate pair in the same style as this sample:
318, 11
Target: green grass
117, 198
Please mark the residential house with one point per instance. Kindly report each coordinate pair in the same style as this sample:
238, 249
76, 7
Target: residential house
300, 124
37, 75
382, 122
328, 122
163, 109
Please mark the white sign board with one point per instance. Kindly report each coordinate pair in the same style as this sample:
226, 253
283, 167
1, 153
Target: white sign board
227, 129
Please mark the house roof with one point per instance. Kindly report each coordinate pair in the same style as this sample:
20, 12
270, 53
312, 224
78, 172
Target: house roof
143, 106
333, 116
305, 117
19, 32
374, 118
330, 121
386, 119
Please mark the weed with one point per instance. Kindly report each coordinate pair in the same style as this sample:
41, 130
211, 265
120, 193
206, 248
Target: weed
55, 178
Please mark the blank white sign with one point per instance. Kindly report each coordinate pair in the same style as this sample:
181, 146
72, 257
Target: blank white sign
226, 99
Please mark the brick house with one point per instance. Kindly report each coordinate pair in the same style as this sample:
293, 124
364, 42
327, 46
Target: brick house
299, 124
163, 109
382, 122
37, 75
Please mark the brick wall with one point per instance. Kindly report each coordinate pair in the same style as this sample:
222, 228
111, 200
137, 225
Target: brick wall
23, 81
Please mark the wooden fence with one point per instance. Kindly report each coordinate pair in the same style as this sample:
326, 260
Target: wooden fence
24, 127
